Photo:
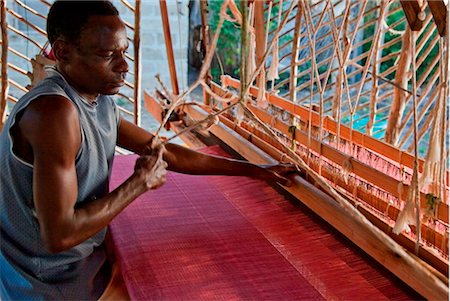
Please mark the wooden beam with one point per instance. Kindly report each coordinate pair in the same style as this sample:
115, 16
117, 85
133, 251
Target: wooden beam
412, 10
205, 41
439, 12
169, 48
4, 64
294, 58
137, 63
260, 36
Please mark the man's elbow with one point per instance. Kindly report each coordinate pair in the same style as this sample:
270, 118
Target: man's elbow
56, 244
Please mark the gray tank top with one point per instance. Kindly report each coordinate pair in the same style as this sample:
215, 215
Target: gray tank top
32, 272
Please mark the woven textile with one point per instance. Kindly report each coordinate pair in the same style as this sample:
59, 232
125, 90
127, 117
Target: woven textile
234, 238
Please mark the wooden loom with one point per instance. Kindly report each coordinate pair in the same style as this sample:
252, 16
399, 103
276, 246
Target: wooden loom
336, 84
377, 175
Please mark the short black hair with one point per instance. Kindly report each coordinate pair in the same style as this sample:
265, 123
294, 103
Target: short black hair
67, 18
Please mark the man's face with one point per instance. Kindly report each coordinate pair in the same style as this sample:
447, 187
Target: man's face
97, 62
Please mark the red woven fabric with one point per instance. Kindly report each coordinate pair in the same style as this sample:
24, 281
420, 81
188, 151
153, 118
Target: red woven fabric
234, 238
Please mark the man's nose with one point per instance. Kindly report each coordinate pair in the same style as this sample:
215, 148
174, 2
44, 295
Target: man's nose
122, 64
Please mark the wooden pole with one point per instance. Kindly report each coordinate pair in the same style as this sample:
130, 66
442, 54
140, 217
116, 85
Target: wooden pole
294, 59
137, 63
169, 48
205, 40
4, 65
260, 36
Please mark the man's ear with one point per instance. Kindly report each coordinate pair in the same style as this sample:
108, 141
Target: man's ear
61, 50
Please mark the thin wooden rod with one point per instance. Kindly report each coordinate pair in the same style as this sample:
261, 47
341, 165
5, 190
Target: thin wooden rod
169, 47
125, 111
39, 46
16, 68
260, 36
294, 58
4, 65
19, 54
137, 64
129, 25
33, 11
128, 98
17, 85
128, 5
206, 44
25, 21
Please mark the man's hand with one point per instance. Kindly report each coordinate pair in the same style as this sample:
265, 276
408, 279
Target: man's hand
278, 173
152, 168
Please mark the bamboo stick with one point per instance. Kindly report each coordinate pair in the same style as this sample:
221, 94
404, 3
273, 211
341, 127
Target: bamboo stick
25, 21
33, 11
137, 64
128, 5
294, 58
19, 54
206, 44
4, 65
18, 32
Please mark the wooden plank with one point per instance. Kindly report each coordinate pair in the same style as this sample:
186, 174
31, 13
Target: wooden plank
372, 240
412, 10
439, 12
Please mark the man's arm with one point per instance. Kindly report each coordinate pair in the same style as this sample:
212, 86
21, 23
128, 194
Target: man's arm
50, 125
184, 160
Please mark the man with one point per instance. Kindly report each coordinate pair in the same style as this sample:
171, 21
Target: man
56, 152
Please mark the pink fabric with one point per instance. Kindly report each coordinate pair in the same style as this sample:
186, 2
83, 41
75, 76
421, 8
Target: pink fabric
234, 238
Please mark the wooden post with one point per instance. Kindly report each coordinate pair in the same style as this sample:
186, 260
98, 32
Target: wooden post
244, 51
169, 48
137, 63
4, 65
295, 44
205, 40
260, 36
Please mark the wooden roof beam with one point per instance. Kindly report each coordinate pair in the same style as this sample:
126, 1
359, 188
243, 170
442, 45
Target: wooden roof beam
412, 11
439, 11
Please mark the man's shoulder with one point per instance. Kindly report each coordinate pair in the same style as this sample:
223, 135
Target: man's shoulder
52, 106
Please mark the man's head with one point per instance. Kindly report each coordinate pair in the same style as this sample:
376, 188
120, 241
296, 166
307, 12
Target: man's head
67, 19
89, 42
